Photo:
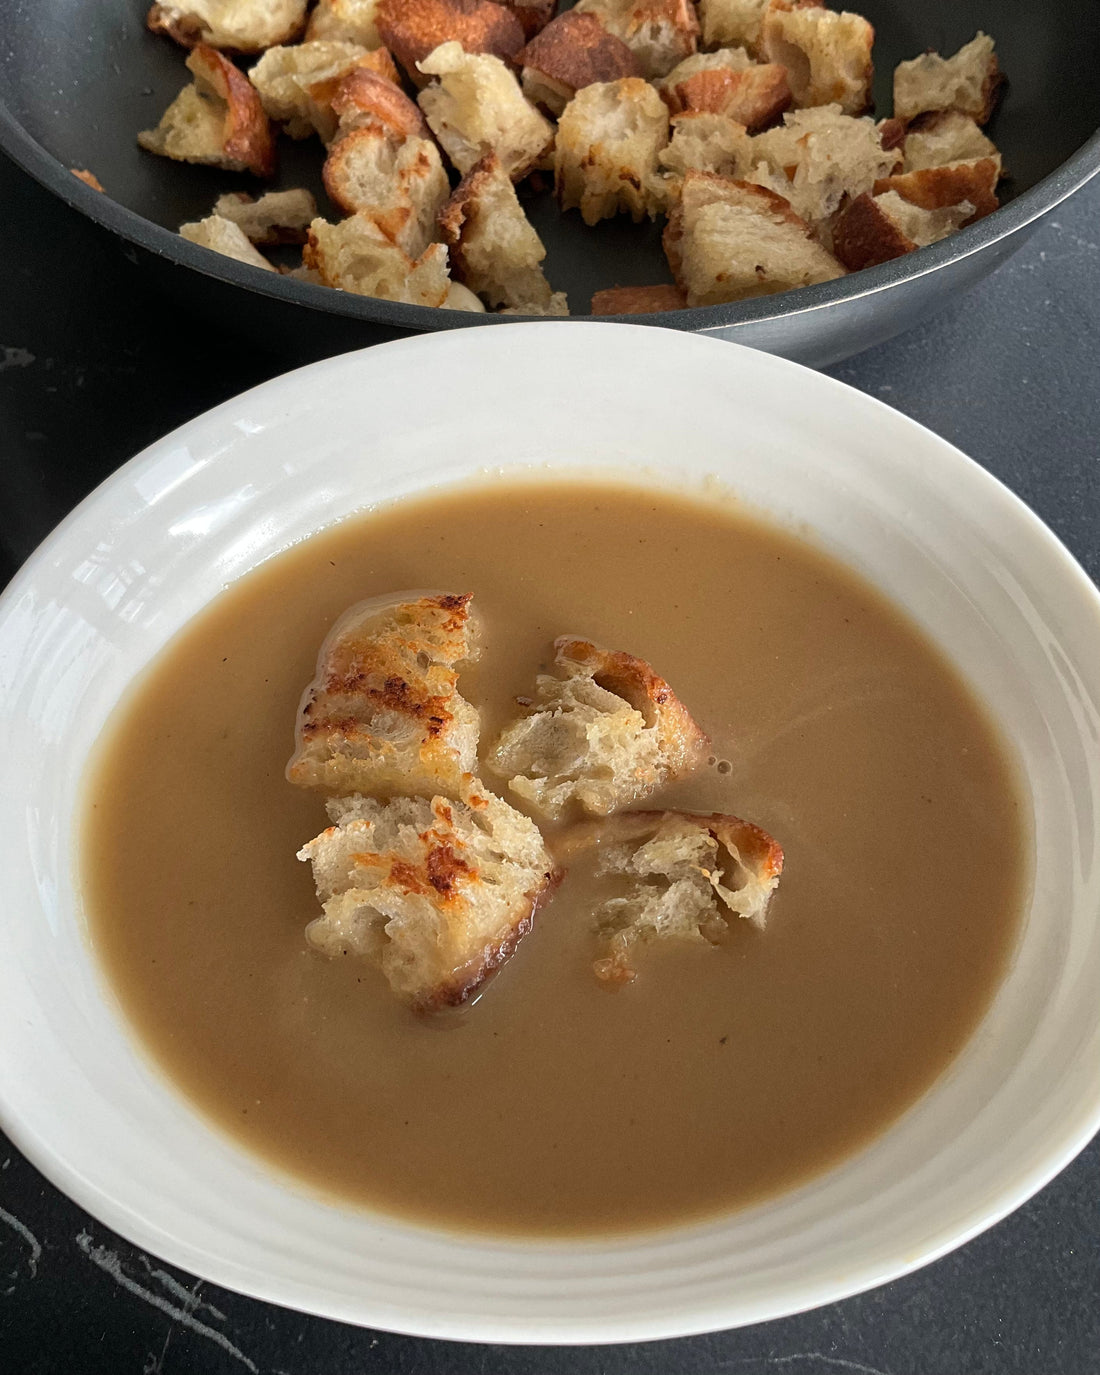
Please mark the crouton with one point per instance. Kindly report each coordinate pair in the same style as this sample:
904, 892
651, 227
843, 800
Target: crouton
217, 120
685, 876
226, 238
277, 217
493, 248
356, 255
660, 33
245, 26
732, 23
297, 85
557, 305
605, 157
968, 82
572, 52
533, 15
874, 229
399, 182
944, 136
477, 107
728, 83
364, 98
728, 240
637, 300
817, 157
604, 733
460, 297
933, 188
827, 54
437, 893
383, 712
706, 143
88, 178
412, 29
345, 21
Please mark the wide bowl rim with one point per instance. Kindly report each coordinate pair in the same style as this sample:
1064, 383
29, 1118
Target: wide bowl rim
117, 1214
1038, 200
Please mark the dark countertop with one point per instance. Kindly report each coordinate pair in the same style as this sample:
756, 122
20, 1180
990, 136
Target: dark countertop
94, 367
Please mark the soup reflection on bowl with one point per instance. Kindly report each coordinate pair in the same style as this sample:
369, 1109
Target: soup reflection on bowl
896, 667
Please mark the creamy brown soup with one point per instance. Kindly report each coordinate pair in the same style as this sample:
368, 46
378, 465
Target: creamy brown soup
724, 1073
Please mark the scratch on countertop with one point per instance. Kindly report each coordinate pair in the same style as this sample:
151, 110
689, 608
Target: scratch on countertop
15, 357
188, 1297
21, 1229
109, 1263
800, 1357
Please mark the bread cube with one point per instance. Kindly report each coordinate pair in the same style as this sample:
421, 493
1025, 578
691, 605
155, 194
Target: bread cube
874, 229
297, 85
572, 52
494, 249
944, 136
610, 136
660, 33
399, 182
827, 54
637, 300
968, 82
226, 238
728, 83
245, 26
477, 107
357, 255
413, 29
218, 120
437, 893
729, 240
345, 21
933, 188
277, 217
364, 98
602, 734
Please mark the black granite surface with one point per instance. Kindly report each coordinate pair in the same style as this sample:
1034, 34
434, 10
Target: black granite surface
93, 367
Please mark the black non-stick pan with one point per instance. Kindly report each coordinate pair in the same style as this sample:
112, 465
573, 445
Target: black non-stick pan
80, 78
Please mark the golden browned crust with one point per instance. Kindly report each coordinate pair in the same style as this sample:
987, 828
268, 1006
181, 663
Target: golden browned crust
88, 178
933, 188
577, 50
864, 235
638, 300
461, 209
247, 138
534, 15
334, 174
381, 62
753, 97
892, 133
364, 93
768, 201
411, 29
635, 682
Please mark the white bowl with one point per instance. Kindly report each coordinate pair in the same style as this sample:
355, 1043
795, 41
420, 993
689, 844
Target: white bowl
201, 508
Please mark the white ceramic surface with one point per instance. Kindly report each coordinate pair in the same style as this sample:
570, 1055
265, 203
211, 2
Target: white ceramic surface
199, 509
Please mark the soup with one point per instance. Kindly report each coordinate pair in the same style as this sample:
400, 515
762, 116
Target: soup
551, 1104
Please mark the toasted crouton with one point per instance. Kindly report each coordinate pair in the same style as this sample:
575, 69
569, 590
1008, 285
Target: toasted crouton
217, 120
728, 240
226, 238
533, 15
245, 26
606, 732
728, 83
637, 300
817, 157
297, 85
706, 143
357, 255
732, 23
660, 33
345, 21
383, 713
477, 107
685, 874
412, 29
277, 217
874, 229
437, 893
493, 248
969, 82
933, 188
944, 136
605, 157
572, 52
827, 54
364, 98
399, 182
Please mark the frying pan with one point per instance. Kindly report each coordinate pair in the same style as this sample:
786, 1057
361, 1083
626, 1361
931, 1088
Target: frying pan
80, 78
